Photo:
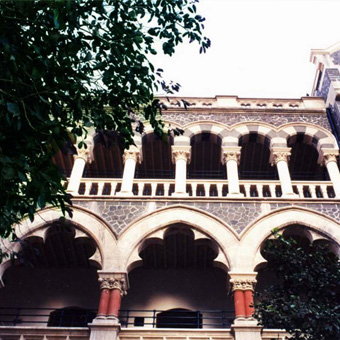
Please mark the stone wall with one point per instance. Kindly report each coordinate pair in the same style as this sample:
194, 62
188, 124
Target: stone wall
336, 57
231, 119
238, 215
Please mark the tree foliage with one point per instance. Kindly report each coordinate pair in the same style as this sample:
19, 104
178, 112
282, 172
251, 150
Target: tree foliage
68, 65
305, 299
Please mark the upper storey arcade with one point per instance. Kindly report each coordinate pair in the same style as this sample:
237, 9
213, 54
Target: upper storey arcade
230, 148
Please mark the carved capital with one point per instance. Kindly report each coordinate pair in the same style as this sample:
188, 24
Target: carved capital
104, 283
181, 153
280, 156
85, 154
119, 284
243, 284
329, 157
111, 281
135, 155
231, 156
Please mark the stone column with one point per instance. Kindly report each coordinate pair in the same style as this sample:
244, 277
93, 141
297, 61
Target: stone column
104, 298
231, 157
245, 326
243, 288
131, 157
329, 157
118, 289
83, 156
280, 158
181, 157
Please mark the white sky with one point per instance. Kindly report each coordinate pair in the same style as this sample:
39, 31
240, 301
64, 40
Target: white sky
260, 48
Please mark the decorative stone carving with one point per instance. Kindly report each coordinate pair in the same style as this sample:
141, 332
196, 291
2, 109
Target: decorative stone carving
135, 155
330, 157
231, 156
104, 283
113, 283
280, 156
243, 284
85, 154
181, 155
119, 284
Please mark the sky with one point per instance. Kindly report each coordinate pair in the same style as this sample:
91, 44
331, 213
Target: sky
260, 48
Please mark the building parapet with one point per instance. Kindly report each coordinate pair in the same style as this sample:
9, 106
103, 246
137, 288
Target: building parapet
313, 104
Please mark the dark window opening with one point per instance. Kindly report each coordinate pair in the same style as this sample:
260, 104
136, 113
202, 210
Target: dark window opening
179, 318
70, 317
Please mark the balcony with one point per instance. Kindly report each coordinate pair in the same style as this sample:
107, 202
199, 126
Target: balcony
206, 189
35, 323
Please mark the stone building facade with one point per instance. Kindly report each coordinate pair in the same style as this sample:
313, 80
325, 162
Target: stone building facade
173, 228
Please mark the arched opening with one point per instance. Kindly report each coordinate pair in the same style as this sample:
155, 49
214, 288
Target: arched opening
64, 162
299, 279
108, 156
48, 277
206, 157
171, 288
303, 163
255, 154
157, 161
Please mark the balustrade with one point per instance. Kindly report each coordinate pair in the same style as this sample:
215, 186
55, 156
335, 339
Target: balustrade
212, 189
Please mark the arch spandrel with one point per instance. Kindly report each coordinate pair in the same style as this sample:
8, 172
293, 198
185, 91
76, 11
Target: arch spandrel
132, 237
253, 236
85, 221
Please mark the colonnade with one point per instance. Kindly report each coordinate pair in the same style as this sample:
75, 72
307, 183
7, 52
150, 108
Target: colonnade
114, 286
230, 156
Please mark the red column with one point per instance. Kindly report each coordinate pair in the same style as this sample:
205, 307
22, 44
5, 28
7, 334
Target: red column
104, 302
114, 303
239, 301
249, 302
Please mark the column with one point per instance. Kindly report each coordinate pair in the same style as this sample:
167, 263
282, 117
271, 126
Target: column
83, 156
104, 298
231, 157
113, 286
245, 327
280, 158
330, 161
243, 289
130, 157
181, 157
118, 289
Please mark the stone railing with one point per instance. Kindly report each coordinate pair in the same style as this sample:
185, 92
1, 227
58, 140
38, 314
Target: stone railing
212, 189
274, 334
43, 333
174, 334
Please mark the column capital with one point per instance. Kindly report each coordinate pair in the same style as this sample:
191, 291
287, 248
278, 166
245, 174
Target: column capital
231, 153
279, 154
242, 281
133, 153
85, 154
329, 155
112, 281
181, 152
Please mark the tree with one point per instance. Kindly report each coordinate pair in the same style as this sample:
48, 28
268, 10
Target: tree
70, 65
305, 299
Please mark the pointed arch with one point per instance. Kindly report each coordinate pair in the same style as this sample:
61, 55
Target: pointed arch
132, 237
253, 236
84, 221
